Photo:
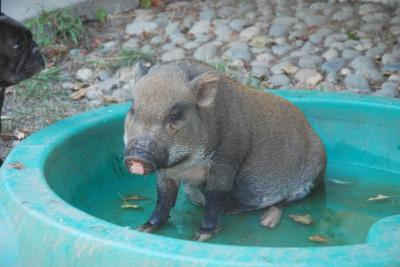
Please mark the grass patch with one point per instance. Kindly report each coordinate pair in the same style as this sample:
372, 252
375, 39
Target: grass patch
125, 58
129, 57
352, 36
223, 66
41, 100
57, 26
146, 3
41, 81
254, 82
220, 65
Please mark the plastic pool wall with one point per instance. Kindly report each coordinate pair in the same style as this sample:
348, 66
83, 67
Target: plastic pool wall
45, 202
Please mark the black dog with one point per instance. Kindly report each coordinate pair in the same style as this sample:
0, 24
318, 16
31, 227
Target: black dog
19, 54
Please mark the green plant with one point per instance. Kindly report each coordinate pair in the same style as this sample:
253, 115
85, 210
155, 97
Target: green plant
254, 82
352, 36
33, 88
124, 58
57, 26
220, 65
101, 15
223, 66
128, 57
146, 3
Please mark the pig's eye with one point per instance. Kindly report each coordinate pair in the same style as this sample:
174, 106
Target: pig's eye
175, 116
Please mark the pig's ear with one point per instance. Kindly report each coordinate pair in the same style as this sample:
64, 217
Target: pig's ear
141, 69
205, 86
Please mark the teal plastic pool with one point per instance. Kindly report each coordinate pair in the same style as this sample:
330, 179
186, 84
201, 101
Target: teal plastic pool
61, 189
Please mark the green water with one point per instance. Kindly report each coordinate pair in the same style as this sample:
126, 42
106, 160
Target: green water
339, 209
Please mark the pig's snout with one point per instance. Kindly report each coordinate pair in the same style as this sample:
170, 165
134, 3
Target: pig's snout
138, 166
142, 157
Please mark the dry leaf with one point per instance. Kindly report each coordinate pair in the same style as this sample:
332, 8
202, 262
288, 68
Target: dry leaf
56, 50
17, 165
109, 100
29, 130
156, 3
318, 238
126, 205
303, 219
129, 206
77, 86
50, 64
18, 134
379, 197
134, 197
7, 135
81, 93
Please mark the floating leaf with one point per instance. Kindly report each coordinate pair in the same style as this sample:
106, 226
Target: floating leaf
379, 197
341, 182
134, 197
17, 165
303, 219
129, 206
318, 238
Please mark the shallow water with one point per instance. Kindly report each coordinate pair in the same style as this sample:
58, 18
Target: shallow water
339, 209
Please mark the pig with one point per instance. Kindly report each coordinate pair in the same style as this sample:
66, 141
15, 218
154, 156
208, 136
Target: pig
233, 148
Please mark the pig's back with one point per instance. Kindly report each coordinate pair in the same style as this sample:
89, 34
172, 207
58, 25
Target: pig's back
285, 153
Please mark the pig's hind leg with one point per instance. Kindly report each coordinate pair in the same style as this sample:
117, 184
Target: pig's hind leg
249, 197
301, 192
304, 188
271, 216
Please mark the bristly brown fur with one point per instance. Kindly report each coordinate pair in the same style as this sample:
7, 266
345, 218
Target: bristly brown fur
249, 149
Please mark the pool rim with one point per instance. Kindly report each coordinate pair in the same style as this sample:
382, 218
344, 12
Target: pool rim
40, 145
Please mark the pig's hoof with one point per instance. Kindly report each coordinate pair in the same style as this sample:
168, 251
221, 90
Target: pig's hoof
147, 228
271, 217
205, 234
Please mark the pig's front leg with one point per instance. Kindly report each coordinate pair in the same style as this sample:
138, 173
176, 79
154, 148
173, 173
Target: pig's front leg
215, 201
219, 184
167, 191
